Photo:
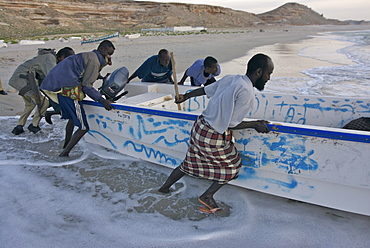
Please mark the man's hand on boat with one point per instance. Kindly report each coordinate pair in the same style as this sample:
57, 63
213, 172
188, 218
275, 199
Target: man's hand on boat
180, 99
107, 104
259, 125
105, 77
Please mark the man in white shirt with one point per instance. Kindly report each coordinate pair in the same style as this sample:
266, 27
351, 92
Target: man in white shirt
211, 153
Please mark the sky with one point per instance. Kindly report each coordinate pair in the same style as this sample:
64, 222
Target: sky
332, 9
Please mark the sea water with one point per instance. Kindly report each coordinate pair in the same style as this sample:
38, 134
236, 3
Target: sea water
335, 64
343, 80
100, 198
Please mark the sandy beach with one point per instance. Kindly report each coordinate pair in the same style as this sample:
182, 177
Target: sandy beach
232, 48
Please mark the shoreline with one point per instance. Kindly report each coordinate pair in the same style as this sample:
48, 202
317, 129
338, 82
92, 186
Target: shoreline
225, 47
291, 59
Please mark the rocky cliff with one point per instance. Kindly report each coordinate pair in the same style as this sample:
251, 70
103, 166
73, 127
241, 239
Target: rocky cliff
40, 17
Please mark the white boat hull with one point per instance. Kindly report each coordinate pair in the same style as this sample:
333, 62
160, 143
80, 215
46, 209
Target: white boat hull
132, 36
326, 166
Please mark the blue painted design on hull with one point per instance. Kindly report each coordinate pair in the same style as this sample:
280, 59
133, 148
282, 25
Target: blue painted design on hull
149, 152
141, 131
285, 152
92, 132
250, 173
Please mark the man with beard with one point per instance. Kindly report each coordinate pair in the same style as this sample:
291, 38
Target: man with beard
211, 153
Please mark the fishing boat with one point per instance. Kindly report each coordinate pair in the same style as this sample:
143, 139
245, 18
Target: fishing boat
31, 42
101, 38
3, 44
132, 36
307, 156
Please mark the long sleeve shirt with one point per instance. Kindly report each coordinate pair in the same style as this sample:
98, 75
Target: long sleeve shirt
40, 65
81, 68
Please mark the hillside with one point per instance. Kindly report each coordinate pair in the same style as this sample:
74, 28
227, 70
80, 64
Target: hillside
40, 17
295, 14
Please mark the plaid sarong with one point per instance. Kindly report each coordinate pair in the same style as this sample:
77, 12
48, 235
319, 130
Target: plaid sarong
211, 155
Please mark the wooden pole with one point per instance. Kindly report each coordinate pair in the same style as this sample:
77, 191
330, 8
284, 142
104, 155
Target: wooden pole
175, 79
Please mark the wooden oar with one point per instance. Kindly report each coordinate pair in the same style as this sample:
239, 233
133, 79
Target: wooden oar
175, 79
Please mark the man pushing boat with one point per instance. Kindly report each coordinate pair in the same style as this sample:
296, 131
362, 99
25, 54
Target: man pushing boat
157, 68
202, 72
211, 153
72, 79
26, 79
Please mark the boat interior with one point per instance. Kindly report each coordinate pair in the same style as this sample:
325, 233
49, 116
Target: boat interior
322, 111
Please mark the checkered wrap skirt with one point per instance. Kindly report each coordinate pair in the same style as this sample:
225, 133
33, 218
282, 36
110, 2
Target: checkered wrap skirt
211, 155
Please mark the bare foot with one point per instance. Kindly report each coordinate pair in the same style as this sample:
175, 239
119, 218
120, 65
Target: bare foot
164, 190
209, 202
64, 154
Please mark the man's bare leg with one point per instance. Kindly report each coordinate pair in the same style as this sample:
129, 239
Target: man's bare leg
207, 197
69, 131
173, 178
74, 140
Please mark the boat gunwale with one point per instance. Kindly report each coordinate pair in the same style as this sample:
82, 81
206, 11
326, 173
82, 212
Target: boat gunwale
280, 127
